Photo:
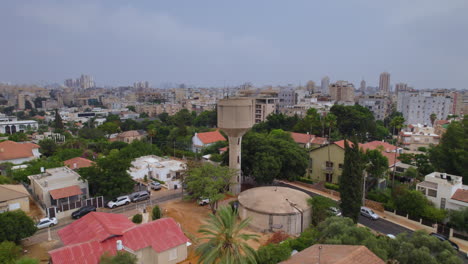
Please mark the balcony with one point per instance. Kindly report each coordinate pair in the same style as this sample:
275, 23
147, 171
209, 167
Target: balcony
327, 168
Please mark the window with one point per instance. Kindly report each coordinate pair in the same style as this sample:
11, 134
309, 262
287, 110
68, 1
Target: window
442, 203
340, 166
329, 164
432, 193
173, 254
328, 177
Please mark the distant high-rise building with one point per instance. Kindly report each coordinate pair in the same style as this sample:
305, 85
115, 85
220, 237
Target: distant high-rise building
141, 85
384, 83
401, 87
84, 82
324, 85
342, 91
362, 88
310, 86
418, 106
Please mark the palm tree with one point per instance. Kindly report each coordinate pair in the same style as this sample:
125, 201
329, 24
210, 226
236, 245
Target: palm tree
433, 118
223, 241
397, 123
151, 132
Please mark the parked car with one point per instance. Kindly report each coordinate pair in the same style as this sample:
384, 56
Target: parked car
203, 201
83, 211
444, 238
155, 186
119, 201
47, 222
335, 211
139, 196
391, 236
367, 212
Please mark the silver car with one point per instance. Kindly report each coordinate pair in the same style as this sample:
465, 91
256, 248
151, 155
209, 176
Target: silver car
47, 222
367, 212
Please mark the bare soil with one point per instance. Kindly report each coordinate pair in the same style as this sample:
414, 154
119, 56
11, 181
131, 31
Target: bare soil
34, 211
39, 251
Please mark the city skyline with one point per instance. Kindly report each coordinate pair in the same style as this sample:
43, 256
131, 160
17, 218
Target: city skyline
226, 44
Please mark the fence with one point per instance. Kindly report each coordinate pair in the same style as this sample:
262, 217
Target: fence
97, 202
144, 204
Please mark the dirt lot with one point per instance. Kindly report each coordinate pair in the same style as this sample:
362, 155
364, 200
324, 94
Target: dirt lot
39, 251
34, 211
191, 216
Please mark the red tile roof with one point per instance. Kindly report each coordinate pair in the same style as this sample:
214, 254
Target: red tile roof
461, 195
223, 149
375, 145
13, 150
378, 144
65, 192
80, 163
301, 138
210, 137
161, 235
319, 140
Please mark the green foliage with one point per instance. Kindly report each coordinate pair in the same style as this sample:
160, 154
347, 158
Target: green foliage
214, 148
223, 240
273, 253
156, 213
381, 196
411, 202
131, 108
15, 226
206, 119
451, 155
9, 252
26, 260
305, 180
459, 219
139, 148
332, 186
351, 181
137, 219
110, 127
310, 123
354, 120
411, 173
48, 147
377, 163
21, 175
320, 208
91, 133
18, 137
64, 154
208, 181
5, 180
276, 121
58, 123
122, 257
422, 149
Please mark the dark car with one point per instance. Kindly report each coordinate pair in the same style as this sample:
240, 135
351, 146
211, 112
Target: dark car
83, 211
444, 238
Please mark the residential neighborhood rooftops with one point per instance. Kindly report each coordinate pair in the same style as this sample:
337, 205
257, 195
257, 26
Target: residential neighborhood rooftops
13, 150
301, 137
53, 178
335, 254
461, 195
78, 163
210, 137
387, 150
12, 191
65, 192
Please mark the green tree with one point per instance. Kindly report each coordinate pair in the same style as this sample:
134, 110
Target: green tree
276, 121
131, 108
320, 208
91, 133
433, 118
156, 213
310, 123
206, 119
354, 120
21, 175
208, 181
58, 123
109, 128
351, 181
48, 147
451, 155
18, 137
137, 219
15, 226
151, 130
459, 219
9, 252
223, 240
122, 257
64, 154
26, 260
273, 253
377, 167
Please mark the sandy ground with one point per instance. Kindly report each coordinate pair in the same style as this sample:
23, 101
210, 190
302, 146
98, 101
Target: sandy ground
34, 211
39, 251
191, 216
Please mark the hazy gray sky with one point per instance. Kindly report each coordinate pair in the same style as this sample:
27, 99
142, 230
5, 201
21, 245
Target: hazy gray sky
422, 42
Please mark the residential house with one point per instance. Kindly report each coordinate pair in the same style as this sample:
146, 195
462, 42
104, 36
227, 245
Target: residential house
334, 254
13, 197
11, 125
57, 186
87, 239
205, 139
17, 153
416, 136
162, 169
130, 136
321, 168
308, 140
78, 163
440, 126
445, 191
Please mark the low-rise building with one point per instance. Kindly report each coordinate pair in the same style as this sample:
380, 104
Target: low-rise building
162, 169
78, 163
129, 136
18, 152
13, 197
11, 125
445, 191
57, 186
87, 239
308, 140
379, 105
205, 139
416, 136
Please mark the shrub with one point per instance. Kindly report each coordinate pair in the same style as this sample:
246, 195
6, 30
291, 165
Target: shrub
156, 213
381, 196
137, 219
305, 180
332, 186
277, 237
9, 252
273, 253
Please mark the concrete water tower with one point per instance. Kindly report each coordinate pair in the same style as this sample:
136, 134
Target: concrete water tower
235, 117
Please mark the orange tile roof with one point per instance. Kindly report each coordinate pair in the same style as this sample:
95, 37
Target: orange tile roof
65, 192
375, 145
210, 137
461, 195
319, 140
335, 254
80, 163
13, 150
302, 138
378, 144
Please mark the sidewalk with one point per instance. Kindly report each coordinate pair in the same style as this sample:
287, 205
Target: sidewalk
409, 224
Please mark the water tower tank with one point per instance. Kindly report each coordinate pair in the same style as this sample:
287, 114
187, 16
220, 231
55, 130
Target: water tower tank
236, 115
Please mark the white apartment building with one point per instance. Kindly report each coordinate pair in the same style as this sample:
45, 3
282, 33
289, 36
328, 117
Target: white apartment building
377, 104
417, 107
444, 190
11, 125
163, 169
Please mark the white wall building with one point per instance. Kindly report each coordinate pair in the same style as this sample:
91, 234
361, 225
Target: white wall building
377, 104
444, 190
417, 107
166, 170
11, 125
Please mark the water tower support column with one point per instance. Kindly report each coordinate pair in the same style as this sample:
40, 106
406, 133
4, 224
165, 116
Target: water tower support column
235, 163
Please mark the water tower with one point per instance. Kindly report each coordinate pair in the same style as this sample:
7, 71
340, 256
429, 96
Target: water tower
235, 117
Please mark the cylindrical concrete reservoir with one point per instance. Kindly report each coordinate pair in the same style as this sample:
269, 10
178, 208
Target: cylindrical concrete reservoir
273, 209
